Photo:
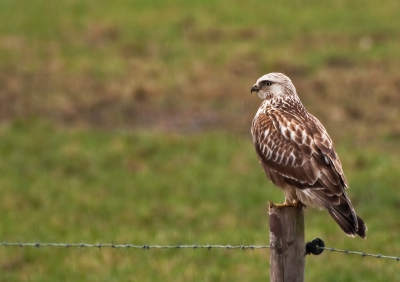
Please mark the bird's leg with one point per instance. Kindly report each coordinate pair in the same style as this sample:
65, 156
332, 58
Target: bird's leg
287, 203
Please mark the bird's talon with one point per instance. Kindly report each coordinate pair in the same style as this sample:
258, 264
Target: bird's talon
295, 204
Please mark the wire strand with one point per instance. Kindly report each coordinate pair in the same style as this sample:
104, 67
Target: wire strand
363, 254
193, 246
128, 246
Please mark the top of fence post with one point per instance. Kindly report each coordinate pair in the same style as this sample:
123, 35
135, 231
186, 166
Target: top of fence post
287, 256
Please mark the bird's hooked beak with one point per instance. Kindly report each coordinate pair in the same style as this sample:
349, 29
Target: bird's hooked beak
255, 88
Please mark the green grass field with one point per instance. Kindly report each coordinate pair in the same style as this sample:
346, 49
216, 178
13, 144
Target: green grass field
128, 122
149, 188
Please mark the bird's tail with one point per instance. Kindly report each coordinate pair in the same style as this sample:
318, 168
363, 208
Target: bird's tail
346, 218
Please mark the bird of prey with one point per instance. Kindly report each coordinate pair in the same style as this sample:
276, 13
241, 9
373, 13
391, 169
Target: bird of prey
297, 154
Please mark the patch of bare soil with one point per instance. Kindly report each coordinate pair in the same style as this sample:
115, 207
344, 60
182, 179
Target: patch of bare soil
344, 96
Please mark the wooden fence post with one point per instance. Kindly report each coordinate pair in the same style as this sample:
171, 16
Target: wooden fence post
286, 229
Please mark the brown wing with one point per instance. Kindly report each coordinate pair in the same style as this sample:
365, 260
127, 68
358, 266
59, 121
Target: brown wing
296, 150
300, 151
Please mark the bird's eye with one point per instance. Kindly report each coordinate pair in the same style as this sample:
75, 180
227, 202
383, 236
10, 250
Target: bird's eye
268, 83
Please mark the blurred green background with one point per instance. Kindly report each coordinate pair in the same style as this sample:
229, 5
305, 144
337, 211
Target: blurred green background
128, 122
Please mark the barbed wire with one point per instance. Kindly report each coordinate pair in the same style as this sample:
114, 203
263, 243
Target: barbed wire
128, 246
363, 254
194, 246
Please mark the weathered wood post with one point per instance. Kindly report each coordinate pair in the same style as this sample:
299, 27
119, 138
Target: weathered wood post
286, 229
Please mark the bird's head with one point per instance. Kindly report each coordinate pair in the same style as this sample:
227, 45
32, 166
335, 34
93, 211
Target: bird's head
274, 85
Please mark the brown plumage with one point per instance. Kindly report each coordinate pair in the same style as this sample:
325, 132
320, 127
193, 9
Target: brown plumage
297, 153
